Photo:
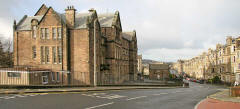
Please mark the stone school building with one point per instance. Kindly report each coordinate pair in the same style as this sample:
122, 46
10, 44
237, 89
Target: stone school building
75, 48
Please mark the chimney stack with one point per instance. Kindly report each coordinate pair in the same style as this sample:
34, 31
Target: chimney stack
91, 10
70, 16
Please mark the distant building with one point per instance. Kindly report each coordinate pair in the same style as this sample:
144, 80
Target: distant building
146, 70
223, 62
140, 68
159, 71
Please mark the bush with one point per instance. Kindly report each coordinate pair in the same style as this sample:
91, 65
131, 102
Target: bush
216, 79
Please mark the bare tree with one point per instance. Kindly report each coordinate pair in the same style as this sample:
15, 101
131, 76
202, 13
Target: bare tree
6, 55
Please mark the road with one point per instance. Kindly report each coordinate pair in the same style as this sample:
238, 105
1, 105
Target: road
179, 98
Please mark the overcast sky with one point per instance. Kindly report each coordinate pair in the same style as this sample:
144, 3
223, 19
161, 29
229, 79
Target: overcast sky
167, 30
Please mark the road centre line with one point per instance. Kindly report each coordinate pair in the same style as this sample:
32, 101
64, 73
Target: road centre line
136, 98
100, 105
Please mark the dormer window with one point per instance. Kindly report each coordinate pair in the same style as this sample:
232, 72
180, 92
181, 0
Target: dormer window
34, 24
34, 31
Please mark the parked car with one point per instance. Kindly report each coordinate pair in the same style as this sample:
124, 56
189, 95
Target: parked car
193, 80
201, 81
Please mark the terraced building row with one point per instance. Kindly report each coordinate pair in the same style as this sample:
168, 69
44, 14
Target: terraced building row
224, 62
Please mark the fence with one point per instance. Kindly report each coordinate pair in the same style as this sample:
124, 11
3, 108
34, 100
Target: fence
30, 76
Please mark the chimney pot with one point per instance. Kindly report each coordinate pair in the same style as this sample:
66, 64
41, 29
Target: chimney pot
91, 10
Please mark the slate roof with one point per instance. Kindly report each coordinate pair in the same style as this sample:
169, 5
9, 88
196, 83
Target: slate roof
159, 66
26, 22
128, 35
106, 20
80, 20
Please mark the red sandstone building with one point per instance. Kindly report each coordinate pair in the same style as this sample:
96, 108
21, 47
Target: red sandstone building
79, 48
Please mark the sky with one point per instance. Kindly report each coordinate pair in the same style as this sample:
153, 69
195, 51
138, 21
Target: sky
167, 30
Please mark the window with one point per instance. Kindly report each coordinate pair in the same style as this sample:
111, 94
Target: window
34, 53
58, 76
54, 55
47, 33
44, 78
34, 32
59, 33
42, 33
59, 50
54, 33
47, 54
53, 76
42, 54
14, 74
238, 54
234, 48
234, 59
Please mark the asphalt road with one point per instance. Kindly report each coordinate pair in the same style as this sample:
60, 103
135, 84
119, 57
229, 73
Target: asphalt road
179, 98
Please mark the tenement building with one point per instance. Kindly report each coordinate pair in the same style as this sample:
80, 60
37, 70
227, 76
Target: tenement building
76, 48
223, 62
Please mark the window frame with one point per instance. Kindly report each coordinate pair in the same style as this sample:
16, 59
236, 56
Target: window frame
43, 33
42, 55
59, 53
47, 33
59, 33
54, 55
13, 75
54, 33
47, 57
34, 52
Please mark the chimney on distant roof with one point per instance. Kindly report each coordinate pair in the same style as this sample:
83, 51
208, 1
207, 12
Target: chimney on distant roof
14, 25
70, 16
229, 40
91, 10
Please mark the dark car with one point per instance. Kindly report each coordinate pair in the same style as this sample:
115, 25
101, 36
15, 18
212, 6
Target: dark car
201, 81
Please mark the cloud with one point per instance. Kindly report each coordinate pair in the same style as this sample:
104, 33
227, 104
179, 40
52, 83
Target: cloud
171, 29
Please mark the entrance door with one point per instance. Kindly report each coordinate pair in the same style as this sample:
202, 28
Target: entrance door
44, 78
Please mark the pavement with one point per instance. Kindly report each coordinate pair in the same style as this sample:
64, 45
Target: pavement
79, 89
147, 84
166, 98
219, 100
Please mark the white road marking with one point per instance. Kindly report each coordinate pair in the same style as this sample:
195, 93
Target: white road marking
136, 98
9, 97
104, 95
33, 95
100, 105
196, 106
161, 94
110, 96
179, 91
20, 96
